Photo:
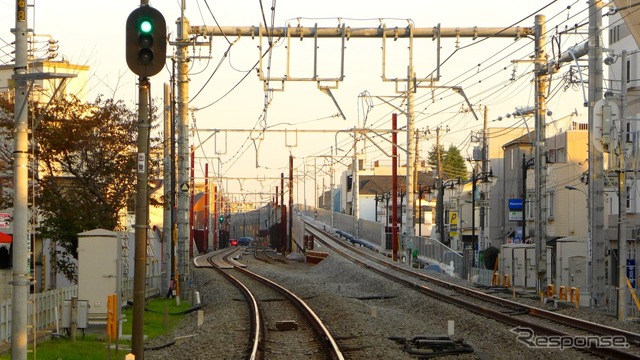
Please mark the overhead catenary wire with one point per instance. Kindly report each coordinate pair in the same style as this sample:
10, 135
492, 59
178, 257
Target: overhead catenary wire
506, 86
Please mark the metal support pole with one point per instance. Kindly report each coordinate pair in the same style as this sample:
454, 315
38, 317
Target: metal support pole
140, 261
474, 242
207, 208
21, 272
355, 189
394, 188
167, 228
192, 192
482, 243
331, 185
524, 198
283, 218
440, 211
411, 156
290, 213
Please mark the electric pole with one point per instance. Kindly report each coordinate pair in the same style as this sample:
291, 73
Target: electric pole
540, 152
596, 239
21, 273
183, 152
622, 194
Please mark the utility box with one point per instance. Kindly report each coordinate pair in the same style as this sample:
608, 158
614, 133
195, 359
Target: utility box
82, 313
99, 264
519, 262
572, 266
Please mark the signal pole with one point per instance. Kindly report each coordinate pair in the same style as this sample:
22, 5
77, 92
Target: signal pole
146, 55
140, 261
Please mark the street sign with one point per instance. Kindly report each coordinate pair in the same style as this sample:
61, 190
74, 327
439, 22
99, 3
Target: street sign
631, 272
515, 215
515, 204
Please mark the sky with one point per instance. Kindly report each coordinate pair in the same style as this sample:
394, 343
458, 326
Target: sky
226, 93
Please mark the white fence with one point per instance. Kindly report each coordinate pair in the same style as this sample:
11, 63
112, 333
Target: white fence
43, 310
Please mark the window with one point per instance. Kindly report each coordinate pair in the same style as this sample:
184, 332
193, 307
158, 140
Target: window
550, 205
614, 34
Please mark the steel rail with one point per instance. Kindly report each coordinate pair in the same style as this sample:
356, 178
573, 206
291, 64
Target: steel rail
256, 333
613, 353
316, 323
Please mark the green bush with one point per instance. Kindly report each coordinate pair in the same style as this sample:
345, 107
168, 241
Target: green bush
490, 257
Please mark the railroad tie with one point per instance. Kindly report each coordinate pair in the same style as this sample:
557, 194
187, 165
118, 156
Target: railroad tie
285, 325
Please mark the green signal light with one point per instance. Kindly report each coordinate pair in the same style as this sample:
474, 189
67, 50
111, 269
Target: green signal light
146, 26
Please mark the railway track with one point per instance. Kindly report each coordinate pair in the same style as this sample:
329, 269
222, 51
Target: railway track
282, 324
531, 325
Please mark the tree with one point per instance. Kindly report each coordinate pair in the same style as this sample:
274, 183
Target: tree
86, 176
490, 257
453, 164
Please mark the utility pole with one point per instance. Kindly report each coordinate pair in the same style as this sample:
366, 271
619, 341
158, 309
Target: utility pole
20, 278
355, 188
622, 194
440, 198
482, 243
540, 152
167, 228
182, 45
596, 240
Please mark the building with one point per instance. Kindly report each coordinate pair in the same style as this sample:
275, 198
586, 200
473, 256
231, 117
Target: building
43, 89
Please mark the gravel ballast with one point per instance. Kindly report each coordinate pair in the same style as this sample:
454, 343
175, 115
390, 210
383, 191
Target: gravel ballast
361, 309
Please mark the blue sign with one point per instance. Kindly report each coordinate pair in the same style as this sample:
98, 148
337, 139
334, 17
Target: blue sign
631, 272
517, 237
515, 204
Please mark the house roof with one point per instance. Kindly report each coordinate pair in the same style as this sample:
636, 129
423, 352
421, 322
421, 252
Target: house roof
378, 184
526, 139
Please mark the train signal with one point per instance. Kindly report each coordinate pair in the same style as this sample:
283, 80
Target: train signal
146, 45
221, 219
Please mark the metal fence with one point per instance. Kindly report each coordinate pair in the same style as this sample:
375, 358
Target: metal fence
481, 277
437, 253
45, 310
429, 250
